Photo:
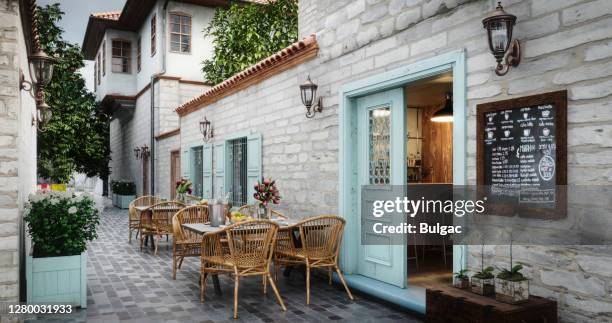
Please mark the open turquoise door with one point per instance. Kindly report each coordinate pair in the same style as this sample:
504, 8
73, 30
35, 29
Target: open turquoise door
381, 125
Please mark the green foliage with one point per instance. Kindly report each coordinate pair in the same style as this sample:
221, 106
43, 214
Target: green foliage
61, 223
244, 34
486, 273
461, 274
77, 137
514, 274
123, 187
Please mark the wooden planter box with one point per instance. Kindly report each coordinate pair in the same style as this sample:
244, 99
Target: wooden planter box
461, 283
512, 292
484, 287
60, 280
123, 201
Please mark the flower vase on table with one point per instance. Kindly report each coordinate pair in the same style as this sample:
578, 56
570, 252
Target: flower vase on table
266, 193
183, 187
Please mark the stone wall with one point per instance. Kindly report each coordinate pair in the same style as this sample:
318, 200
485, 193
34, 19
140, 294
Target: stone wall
162, 169
17, 147
566, 45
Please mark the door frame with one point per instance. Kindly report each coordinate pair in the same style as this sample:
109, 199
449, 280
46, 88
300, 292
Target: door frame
453, 61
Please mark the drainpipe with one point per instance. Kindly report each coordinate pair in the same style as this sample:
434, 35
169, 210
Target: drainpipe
155, 77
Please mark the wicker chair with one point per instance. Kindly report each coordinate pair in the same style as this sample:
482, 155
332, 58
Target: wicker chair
134, 220
320, 239
160, 222
252, 209
248, 253
186, 243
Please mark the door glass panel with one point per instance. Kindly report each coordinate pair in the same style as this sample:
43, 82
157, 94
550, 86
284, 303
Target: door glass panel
379, 141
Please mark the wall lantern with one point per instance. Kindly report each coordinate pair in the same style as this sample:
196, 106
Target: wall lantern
308, 91
142, 152
41, 72
446, 113
499, 26
206, 129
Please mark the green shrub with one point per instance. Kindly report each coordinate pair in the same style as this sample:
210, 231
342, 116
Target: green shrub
61, 223
123, 187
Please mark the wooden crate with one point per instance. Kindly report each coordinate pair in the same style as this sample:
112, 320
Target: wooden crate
448, 304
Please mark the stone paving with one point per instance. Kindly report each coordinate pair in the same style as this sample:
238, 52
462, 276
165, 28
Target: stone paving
129, 285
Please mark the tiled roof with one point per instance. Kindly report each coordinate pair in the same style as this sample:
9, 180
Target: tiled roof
111, 15
288, 57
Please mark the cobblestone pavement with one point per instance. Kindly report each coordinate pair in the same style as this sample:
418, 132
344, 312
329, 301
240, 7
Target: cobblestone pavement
126, 284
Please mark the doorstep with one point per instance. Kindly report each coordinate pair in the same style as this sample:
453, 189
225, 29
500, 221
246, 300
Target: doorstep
410, 298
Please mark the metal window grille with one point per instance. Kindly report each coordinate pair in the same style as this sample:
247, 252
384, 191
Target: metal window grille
238, 171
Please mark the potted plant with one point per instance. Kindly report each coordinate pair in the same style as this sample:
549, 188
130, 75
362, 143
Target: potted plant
461, 280
183, 187
511, 286
60, 225
124, 192
266, 192
483, 282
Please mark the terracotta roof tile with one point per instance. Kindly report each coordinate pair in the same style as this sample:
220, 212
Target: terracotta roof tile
111, 15
288, 57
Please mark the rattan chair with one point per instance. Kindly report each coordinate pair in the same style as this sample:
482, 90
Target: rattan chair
160, 222
242, 249
134, 220
320, 239
186, 243
249, 209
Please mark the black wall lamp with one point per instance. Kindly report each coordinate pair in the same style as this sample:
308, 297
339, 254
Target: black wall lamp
142, 152
41, 71
499, 25
308, 91
206, 129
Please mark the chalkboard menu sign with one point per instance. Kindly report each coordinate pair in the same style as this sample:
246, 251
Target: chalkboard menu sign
521, 152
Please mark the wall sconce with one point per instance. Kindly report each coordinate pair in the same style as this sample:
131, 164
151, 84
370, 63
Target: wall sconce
41, 72
499, 26
308, 92
206, 129
142, 152
446, 113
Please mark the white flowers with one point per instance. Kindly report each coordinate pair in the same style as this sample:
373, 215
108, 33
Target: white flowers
72, 210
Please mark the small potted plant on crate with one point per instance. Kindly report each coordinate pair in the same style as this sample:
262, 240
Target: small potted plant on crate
511, 286
60, 225
461, 279
124, 192
483, 282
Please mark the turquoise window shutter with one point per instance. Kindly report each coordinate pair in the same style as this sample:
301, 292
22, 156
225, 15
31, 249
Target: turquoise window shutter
219, 182
253, 164
207, 171
185, 163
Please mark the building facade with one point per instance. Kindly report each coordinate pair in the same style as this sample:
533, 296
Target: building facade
144, 58
371, 52
17, 140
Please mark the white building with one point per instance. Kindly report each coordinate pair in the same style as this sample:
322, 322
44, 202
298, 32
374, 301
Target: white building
147, 60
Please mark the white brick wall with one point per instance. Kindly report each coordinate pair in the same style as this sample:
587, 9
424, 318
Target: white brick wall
566, 45
17, 147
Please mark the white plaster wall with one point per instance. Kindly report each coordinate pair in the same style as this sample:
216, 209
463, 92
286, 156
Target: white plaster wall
150, 64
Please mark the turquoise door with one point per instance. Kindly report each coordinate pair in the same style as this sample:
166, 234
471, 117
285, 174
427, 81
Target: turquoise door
381, 125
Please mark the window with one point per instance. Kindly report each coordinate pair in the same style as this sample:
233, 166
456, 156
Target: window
95, 75
98, 74
104, 58
180, 33
121, 56
138, 55
198, 168
153, 31
238, 171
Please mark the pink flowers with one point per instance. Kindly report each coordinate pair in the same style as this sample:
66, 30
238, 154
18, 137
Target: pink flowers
266, 192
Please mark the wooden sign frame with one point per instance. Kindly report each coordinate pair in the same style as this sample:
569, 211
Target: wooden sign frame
559, 102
